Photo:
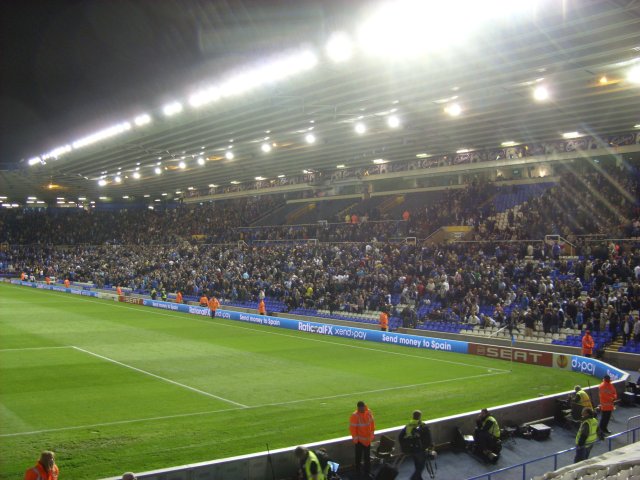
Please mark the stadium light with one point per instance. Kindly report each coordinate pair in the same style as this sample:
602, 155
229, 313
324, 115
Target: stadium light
102, 135
172, 109
634, 74
509, 143
34, 161
540, 93
57, 152
136, 175
393, 121
204, 97
229, 155
260, 178
200, 161
360, 128
158, 170
310, 138
182, 165
463, 150
339, 47
453, 109
265, 147
380, 161
118, 179
234, 182
341, 166
569, 135
102, 182
143, 119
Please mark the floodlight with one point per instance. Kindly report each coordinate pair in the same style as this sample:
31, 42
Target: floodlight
200, 161
463, 150
509, 143
265, 147
118, 179
634, 74
102, 134
393, 121
229, 155
540, 93
260, 178
341, 166
136, 175
571, 135
182, 165
204, 97
453, 109
34, 160
158, 170
172, 108
360, 128
339, 47
380, 161
102, 182
143, 119
310, 138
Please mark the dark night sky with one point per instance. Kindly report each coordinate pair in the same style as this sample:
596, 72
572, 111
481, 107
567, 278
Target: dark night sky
70, 67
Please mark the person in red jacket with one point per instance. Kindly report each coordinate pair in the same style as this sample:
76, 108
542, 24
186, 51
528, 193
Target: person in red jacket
362, 428
262, 309
384, 321
587, 344
608, 396
45, 469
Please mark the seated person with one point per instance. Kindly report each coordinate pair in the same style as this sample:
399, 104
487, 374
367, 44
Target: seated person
487, 433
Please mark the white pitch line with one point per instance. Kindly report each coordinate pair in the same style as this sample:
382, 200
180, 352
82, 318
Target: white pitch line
164, 379
254, 407
32, 348
266, 332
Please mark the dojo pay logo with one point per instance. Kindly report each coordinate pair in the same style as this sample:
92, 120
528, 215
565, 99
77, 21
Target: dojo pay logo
582, 366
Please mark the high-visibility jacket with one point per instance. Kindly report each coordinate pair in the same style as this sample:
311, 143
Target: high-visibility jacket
213, 304
312, 458
262, 310
608, 395
38, 473
592, 424
23, 276
583, 399
178, 297
119, 290
204, 301
67, 283
587, 344
494, 428
362, 427
384, 321
47, 280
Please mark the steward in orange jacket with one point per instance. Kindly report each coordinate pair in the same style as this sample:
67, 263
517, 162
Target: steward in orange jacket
67, 283
262, 309
362, 428
119, 290
213, 305
384, 321
45, 469
587, 344
204, 301
179, 297
608, 396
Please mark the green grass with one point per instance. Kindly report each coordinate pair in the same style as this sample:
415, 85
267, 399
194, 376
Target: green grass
77, 377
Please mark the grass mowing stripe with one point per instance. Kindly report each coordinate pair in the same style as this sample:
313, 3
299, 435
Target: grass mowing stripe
164, 379
210, 412
239, 327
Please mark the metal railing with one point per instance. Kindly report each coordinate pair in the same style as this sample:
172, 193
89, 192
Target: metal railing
633, 434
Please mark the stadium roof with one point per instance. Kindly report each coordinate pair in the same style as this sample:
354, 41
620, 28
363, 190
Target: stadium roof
585, 54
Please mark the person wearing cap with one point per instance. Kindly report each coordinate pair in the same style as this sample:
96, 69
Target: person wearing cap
362, 427
587, 435
608, 396
45, 469
415, 439
579, 401
587, 344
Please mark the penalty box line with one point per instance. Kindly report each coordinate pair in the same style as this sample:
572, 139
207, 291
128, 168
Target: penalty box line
164, 379
306, 338
235, 409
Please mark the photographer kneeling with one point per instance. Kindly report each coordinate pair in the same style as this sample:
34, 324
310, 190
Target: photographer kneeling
487, 436
415, 440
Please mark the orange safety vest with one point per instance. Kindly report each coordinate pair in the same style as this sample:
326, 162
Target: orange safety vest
23, 276
67, 283
47, 280
608, 396
362, 427
213, 304
204, 301
119, 290
38, 473
587, 344
262, 310
178, 297
384, 321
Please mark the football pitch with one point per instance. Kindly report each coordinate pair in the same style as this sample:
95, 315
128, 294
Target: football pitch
112, 387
